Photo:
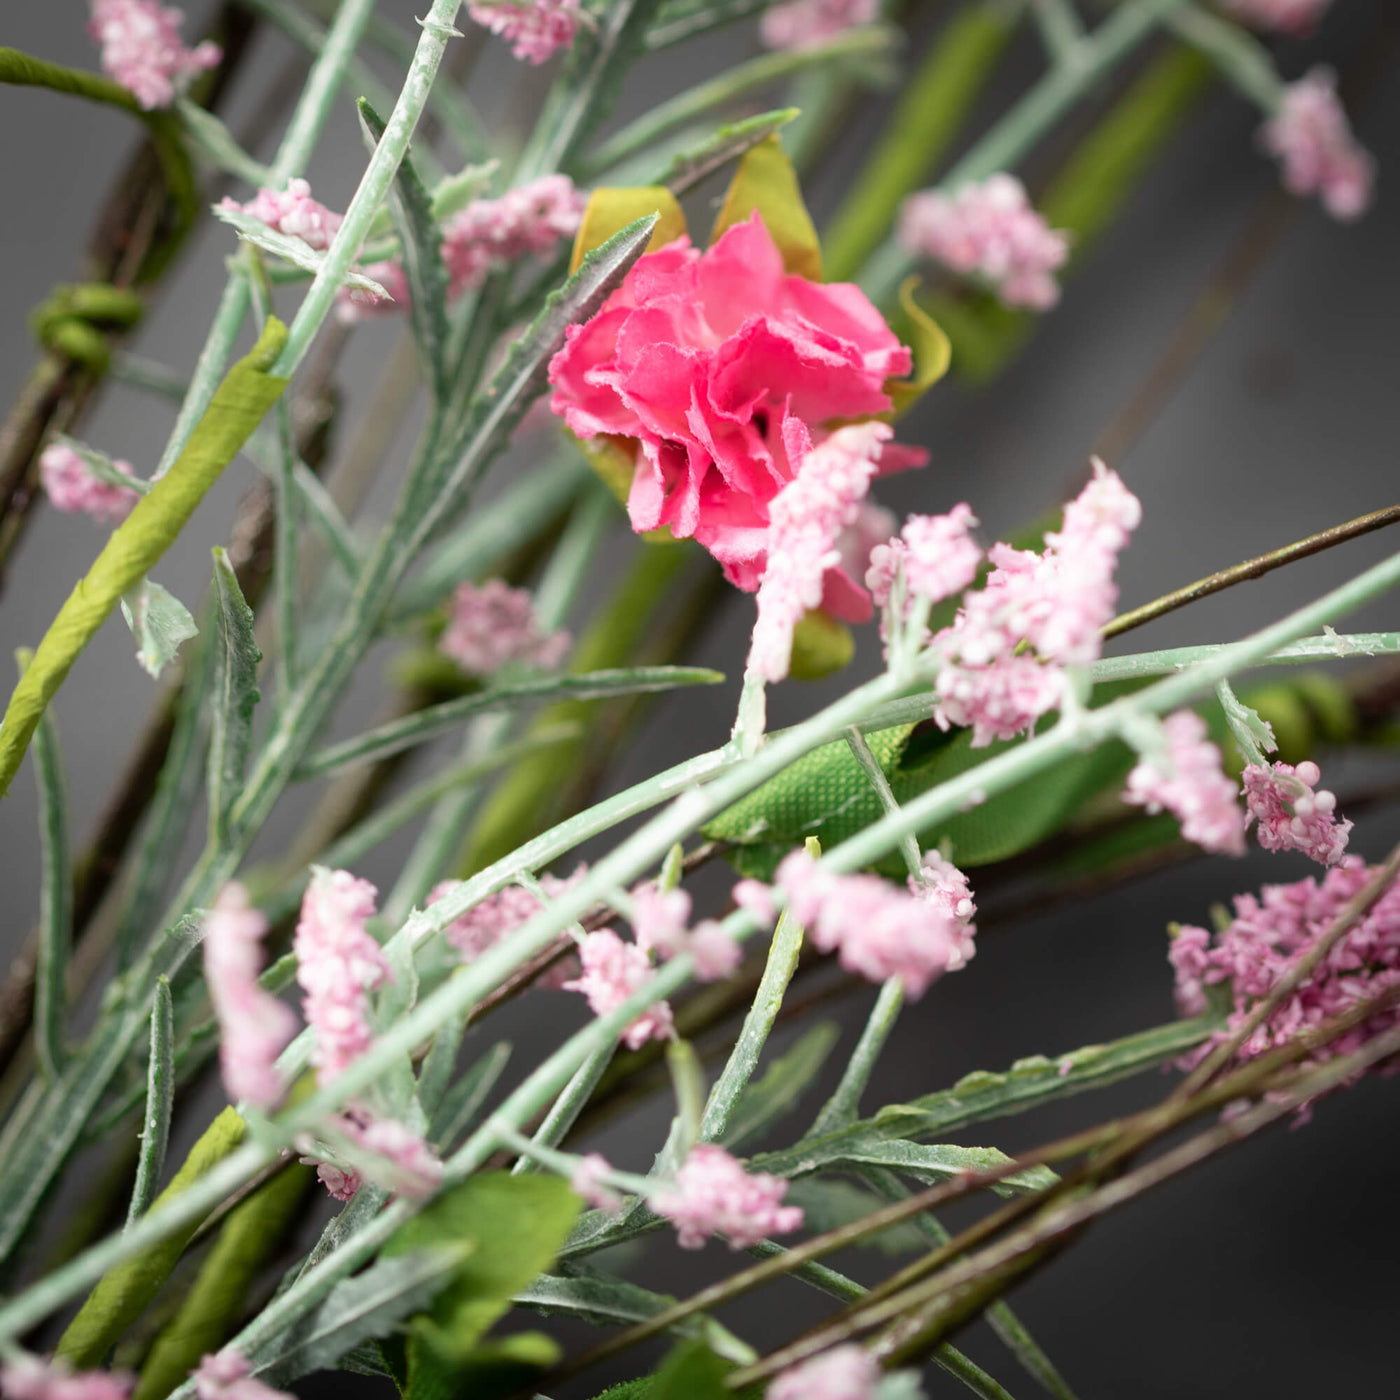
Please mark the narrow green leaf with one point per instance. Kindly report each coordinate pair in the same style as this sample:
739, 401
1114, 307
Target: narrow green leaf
830, 1202
424, 724
160, 1099
983, 1095
160, 622
780, 1090
495, 411
55, 900
420, 242
288, 247
246, 393
368, 1306
457, 191
499, 1368
940, 1162
235, 694
515, 1225
462, 1102
122, 1293
688, 167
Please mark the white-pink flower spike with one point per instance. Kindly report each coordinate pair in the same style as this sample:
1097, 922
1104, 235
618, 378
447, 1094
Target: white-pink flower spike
806, 519
294, 212
989, 228
72, 487
714, 1195
1311, 137
1292, 814
1192, 786
142, 49
338, 965
254, 1026
531, 219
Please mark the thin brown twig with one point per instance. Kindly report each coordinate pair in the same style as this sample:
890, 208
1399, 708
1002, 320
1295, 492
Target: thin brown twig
1252, 568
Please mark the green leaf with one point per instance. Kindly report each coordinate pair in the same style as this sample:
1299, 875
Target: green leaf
424, 724
941, 1162
688, 167
610, 210
135, 546
691, 1372
514, 1225
420, 242
505, 1367
369, 1306
462, 1102
123, 1292
766, 183
457, 191
235, 694
160, 622
160, 1100
780, 1090
984, 1095
288, 247
931, 348
829, 1202
55, 900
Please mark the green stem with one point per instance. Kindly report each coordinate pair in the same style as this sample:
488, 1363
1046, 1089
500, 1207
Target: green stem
863, 43
843, 1107
925, 121
1331, 646
1239, 56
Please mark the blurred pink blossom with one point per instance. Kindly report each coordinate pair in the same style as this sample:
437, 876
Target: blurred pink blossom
989, 228
713, 1195
228, 1375
254, 1026
844, 1373
24, 1377
799, 24
1191, 785
71, 486
587, 1181
142, 49
490, 624
1311, 137
488, 233
1286, 16
535, 29
613, 971
292, 211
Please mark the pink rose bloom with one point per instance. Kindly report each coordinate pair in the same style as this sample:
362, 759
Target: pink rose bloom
705, 359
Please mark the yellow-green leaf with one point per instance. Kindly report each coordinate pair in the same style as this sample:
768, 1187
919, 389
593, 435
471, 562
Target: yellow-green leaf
820, 645
247, 392
765, 181
932, 351
611, 210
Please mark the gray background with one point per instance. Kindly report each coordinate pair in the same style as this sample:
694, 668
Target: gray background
1266, 1273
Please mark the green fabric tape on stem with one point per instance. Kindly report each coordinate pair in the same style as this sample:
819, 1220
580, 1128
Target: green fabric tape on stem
247, 392
122, 1293
254, 1231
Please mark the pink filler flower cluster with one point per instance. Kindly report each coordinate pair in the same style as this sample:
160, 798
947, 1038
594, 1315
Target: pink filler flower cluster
1311, 137
800, 24
535, 29
142, 49
491, 624
989, 228
1268, 934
